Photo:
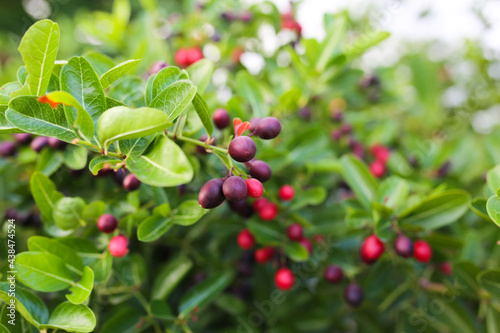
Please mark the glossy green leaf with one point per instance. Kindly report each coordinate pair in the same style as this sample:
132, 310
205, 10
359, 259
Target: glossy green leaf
6, 90
175, 98
493, 179
393, 192
489, 280
100, 62
310, 196
188, 213
465, 273
117, 72
265, 233
492, 320
39, 50
160, 309
249, 89
5, 126
164, 165
72, 318
80, 292
84, 248
68, 213
29, 305
45, 194
493, 209
162, 210
75, 157
170, 276
63, 252
123, 320
330, 45
49, 161
204, 113
201, 73
42, 271
359, 178
104, 161
296, 251
135, 147
102, 268
153, 228
364, 42
166, 77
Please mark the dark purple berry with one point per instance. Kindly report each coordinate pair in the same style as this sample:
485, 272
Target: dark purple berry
56, 143
104, 172
216, 37
305, 113
242, 207
333, 274
353, 295
34, 220
221, 118
253, 124
131, 183
8, 149
39, 143
211, 194
107, 223
268, 128
181, 189
11, 214
403, 246
234, 188
242, 149
119, 176
23, 138
228, 16
260, 170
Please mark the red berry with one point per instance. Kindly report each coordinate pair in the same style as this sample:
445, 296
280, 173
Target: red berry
234, 188
268, 212
221, 118
371, 249
242, 149
353, 295
131, 183
377, 168
333, 274
245, 239
403, 246
181, 57
259, 204
254, 187
380, 152
446, 268
193, 55
305, 242
295, 232
284, 279
118, 246
264, 255
286, 193
107, 223
422, 251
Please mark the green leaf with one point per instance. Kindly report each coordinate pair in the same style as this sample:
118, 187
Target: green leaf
102, 268
80, 80
160, 309
72, 318
359, 178
39, 50
175, 98
29, 305
42, 271
103, 161
166, 77
162, 210
31, 116
465, 273
437, 210
21, 75
100, 62
188, 213
296, 251
63, 252
120, 123
393, 192
6, 90
84, 248
203, 112
204, 292
493, 209
248, 88
383, 228
153, 228
478, 206
490, 281
201, 73
492, 320
123, 320
135, 147
330, 45
164, 165
170, 276
111, 103
493, 179
265, 233
68, 213
45, 194
311, 196
364, 42
5, 126
49, 161
80, 292
75, 157
117, 72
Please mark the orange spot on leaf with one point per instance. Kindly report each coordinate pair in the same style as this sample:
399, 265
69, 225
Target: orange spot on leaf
45, 99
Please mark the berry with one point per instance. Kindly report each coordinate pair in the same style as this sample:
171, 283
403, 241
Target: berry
268, 212
245, 239
104, 172
253, 124
242, 207
305, 113
353, 295
234, 188
286, 193
260, 170
377, 168
403, 246
181, 57
11, 214
156, 67
295, 232
55, 143
284, 279
118, 246
107, 223
345, 129
264, 255
333, 274
242, 149
221, 118
371, 249
194, 54
211, 194
119, 176
39, 143
305, 242
446, 268
228, 16
268, 128
422, 251
246, 16
336, 135
23, 138
380, 152
131, 183
7, 149
254, 187
259, 204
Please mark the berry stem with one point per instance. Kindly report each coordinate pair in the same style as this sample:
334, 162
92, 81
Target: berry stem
197, 142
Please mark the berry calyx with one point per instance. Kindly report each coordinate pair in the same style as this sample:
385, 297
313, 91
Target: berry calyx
353, 295
286, 193
131, 183
422, 251
242, 149
55, 143
221, 118
260, 170
295, 232
268, 128
264, 255
107, 223
245, 239
254, 188
234, 188
403, 246
118, 246
284, 279
268, 212
333, 274
7, 149
211, 194
377, 168
371, 249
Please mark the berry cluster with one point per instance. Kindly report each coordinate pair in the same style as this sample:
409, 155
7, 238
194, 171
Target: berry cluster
118, 245
381, 155
373, 248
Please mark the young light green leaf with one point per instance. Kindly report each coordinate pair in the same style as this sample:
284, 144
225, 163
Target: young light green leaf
104, 161
39, 50
117, 72
296, 251
29, 115
68, 213
175, 98
311, 196
111, 103
330, 45
29, 305
6, 90
5, 126
164, 78
100, 62
45, 194
359, 178
392, 192
170, 276
188, 213
52, 246
201, 73
49, 161
164, 165
204, 113
120, 123
80, 292
153, 228
72, 318
493, 179
135, 147
75, 157
248, 88
21, 75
